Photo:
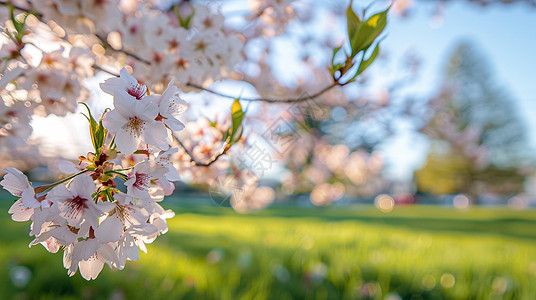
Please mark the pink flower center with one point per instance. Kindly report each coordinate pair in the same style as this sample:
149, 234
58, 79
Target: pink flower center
137, 91
75, 207
135, 126
143, 181
207, 22
133, 29
100, 2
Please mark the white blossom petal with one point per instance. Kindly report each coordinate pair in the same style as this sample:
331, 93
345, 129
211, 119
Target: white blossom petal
28, 198
90, 269
15, 181
58, 193
110, 230
19, 212
112, 85
174, 124
83, 186
126, 143
146, 110
156, 134
114, 121
125, 75
85, 249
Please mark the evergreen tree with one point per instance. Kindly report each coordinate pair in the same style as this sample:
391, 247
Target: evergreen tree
478, 141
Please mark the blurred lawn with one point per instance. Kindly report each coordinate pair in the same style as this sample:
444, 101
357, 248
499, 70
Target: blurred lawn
413, 252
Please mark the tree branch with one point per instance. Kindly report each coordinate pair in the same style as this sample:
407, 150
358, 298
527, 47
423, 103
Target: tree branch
268, 100
128, 53
193, 160
97, 67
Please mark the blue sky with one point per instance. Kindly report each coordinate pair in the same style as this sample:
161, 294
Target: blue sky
505, 34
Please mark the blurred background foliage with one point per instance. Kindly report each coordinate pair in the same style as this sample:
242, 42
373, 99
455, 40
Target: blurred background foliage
479, 144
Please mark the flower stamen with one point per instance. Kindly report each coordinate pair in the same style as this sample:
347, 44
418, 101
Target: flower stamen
136, 126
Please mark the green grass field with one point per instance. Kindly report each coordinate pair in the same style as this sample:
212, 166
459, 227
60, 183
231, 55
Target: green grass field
355, 252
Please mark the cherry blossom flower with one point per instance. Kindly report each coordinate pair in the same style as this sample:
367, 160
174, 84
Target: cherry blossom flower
75, 203
132, 241
124, 85
156, 36
123, 215
164, 159
18, 185
139, 179
89, 256
15, 182
171, 106
54, 236
134, 122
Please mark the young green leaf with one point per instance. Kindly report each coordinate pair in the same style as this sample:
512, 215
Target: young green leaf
184, 22
93, 128
367, 32
352, 20
237, 116
100, 136
92, 124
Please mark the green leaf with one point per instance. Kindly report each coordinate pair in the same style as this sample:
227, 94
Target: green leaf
100, 135
367, 32
93, 127
212, 124
184, 22
238, 135
112, 144
353, 22
19, 25
366, 63
237, 116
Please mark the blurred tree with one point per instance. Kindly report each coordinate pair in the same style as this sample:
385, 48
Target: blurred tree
478, 143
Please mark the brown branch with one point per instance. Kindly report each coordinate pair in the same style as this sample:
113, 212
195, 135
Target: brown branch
193, 160
97, 67
268, 100
128, 53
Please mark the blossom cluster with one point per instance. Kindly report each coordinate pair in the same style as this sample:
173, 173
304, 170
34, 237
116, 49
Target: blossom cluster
49, 48
86, 213
185, 42
330, 172
46, 55
228, 181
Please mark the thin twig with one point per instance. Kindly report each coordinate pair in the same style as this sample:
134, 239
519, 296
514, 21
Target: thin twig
193, 160
97, 67
128, 53
268, 100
